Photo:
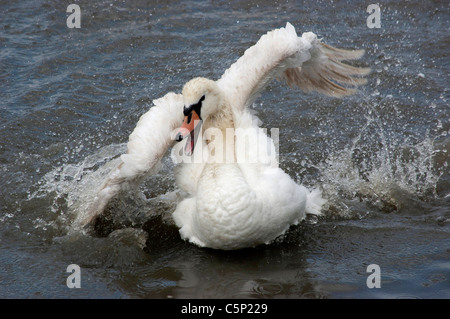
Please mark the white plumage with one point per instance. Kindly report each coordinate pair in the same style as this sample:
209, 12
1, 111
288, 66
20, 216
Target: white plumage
237, 197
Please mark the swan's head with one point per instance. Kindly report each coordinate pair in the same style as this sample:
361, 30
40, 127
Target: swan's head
202, 101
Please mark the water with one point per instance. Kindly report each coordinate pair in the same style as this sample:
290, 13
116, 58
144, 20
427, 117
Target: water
70, 98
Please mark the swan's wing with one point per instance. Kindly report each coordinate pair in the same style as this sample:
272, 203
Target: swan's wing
146, 147
302, 61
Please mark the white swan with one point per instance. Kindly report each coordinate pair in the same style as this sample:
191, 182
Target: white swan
235, 199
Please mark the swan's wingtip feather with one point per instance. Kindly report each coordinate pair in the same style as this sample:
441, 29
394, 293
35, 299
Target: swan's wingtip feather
341, 54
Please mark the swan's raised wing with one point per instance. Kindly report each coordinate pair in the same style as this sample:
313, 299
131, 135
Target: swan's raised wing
302, 61
147, 145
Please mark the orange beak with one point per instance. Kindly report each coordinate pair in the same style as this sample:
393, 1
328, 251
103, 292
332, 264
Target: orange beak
190, 129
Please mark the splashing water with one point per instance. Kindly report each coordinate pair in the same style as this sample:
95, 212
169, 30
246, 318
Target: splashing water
74, 186
390, 174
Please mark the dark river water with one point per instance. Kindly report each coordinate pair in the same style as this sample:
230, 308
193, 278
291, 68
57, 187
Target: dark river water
70, 97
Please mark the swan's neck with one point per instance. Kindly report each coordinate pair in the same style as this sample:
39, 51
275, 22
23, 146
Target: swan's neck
222, 119
219, 133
